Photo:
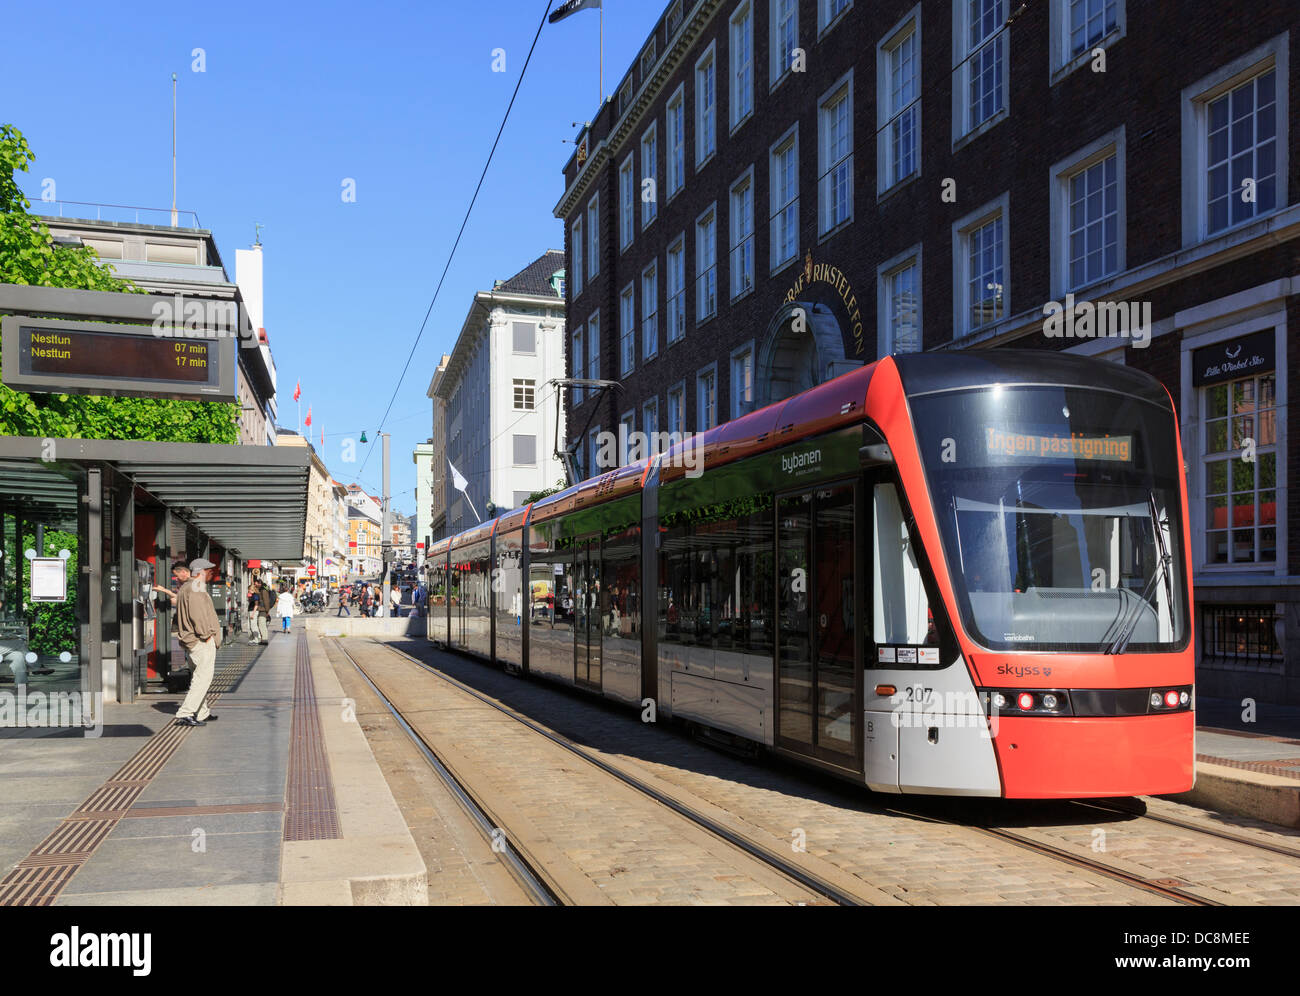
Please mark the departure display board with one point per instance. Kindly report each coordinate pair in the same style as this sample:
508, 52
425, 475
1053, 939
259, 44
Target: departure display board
50, 356
103, 354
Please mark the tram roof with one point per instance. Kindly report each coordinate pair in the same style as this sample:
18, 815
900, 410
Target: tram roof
930, 373
250, 499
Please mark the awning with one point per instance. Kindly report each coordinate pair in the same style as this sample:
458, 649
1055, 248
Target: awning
250, 499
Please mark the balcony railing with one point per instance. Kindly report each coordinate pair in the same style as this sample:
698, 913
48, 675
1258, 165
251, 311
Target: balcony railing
119, 212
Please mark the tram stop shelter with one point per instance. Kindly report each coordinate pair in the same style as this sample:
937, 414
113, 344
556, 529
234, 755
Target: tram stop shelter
88, 526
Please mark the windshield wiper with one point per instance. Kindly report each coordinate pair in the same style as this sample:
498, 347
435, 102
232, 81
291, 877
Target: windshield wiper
1134, 615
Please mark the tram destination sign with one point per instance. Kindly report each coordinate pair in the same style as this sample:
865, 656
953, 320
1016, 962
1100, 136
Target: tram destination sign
53, 356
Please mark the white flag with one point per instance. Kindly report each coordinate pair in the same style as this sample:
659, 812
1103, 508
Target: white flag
458, 482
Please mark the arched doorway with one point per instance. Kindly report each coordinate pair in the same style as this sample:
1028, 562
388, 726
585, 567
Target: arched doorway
803, 347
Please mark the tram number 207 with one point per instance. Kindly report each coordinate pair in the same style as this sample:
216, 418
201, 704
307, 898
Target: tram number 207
919, 695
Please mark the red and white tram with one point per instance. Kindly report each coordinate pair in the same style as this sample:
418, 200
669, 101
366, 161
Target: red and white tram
956, 573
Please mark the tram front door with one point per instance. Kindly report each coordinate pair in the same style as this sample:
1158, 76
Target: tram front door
586, 614
817, 696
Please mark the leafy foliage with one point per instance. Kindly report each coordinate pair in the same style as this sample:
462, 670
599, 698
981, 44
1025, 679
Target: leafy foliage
28, 255
52, 626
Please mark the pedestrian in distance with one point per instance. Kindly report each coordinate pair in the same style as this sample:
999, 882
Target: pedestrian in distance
199, 632
343, 604
284, 608
395, 596
265, 600
365, 600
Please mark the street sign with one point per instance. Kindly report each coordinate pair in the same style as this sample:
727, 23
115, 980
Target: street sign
311, 571
49, 356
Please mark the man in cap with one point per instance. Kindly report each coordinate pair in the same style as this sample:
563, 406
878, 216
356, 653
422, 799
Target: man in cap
200, 634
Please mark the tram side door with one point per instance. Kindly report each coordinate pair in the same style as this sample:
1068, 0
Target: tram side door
586, 614
818, 694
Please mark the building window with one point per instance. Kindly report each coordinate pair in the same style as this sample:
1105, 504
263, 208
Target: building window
627, 333
706, 265
980, 262
594, 467
625, 96
742, 381
676, 141
835, 157
626, 427
1090, 22
579, 356
676, 288
650, 171
1241, 637
829, 11
575, 248
784, 172
650, 424
648, 60
1235, 149
1241, 494
706, 398
627, 204
677, 410
900, 304
673, 21
1241, 151
525, 451
898, 117
593, 347
706, 107
742, 235
1088, 214
741, 105
650, 311
593, 237
525, 337
525, 400
980, 82
784, 23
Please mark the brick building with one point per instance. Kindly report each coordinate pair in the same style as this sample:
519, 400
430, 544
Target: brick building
782, 189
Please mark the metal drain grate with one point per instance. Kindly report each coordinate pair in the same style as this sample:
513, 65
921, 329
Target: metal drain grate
310, 812
40, 877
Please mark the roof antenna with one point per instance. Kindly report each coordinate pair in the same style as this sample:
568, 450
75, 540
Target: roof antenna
257, 234
174, 218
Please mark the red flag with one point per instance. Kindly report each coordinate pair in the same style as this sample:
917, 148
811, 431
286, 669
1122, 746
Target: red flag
297, 391
308, 421
322, 435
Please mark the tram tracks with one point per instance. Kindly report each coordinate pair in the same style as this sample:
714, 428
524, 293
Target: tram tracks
530, 868
1163, 883
1253, 843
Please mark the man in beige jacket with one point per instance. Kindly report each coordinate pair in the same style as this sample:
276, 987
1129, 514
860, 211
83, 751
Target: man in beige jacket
199, 632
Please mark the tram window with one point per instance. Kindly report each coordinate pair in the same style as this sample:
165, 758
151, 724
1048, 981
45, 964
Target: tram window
715, 587
901, 609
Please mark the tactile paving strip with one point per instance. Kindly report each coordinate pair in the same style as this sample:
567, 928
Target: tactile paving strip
1271, 767
310, 812
40, 877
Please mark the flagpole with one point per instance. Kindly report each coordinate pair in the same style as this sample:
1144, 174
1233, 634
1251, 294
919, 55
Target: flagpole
601, 8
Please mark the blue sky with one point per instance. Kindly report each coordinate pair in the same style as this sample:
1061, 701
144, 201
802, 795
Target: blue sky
295, 98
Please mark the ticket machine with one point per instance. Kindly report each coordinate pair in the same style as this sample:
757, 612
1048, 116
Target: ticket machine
144, 614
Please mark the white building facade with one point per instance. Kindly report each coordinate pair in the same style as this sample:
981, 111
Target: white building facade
502, 419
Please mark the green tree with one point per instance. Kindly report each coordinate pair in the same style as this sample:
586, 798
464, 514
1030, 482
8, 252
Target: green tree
28, 255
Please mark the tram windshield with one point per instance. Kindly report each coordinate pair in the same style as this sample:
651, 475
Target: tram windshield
1061, 517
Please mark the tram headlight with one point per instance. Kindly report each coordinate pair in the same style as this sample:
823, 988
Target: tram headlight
1025, 701
1171, 699
999, 700
1050, 701
1184, 699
